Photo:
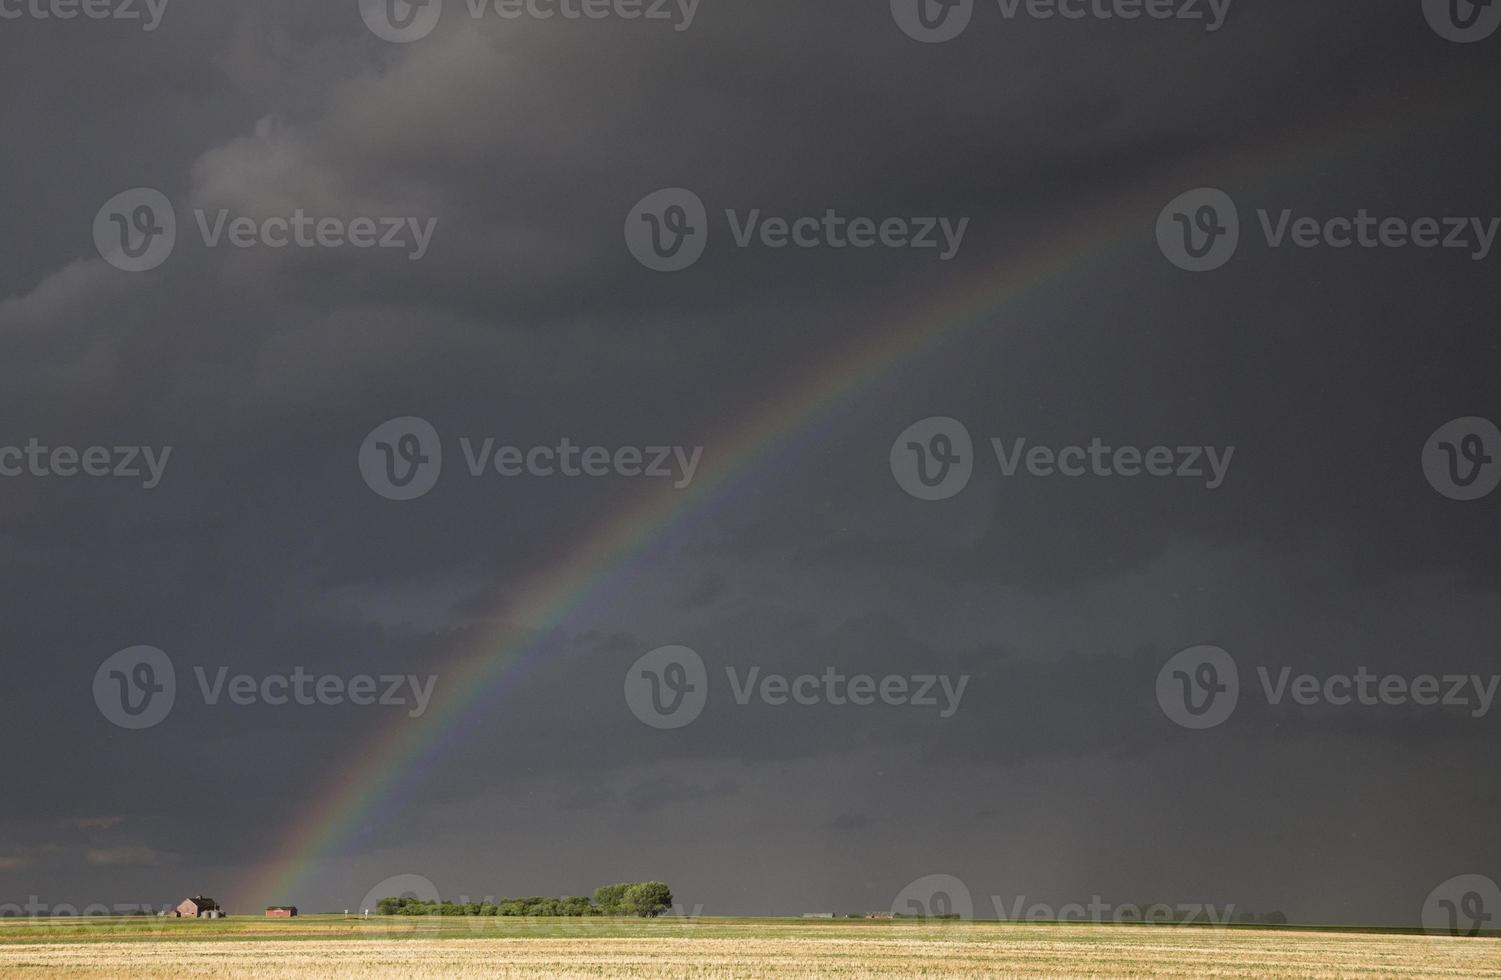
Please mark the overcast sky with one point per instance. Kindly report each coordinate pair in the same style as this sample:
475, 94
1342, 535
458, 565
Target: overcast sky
521, 146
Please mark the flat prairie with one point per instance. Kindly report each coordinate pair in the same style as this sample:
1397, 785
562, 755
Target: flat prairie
332, 946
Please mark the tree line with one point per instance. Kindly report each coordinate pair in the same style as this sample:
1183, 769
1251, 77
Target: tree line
647, 899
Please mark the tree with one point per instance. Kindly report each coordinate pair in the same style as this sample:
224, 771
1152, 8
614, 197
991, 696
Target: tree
647, 899
576, 906
643, 898
610, 897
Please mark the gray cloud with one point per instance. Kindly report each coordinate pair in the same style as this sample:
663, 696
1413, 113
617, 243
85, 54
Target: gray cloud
529, 321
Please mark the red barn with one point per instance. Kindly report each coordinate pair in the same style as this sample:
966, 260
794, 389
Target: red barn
197, 907
281, 911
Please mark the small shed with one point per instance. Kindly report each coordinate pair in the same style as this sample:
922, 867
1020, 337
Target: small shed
281, 911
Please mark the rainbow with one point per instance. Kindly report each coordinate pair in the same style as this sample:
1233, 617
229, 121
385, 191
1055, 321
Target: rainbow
602, 559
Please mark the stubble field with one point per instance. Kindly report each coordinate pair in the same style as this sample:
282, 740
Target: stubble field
332, 946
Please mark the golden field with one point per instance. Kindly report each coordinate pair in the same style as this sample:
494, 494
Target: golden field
716, 948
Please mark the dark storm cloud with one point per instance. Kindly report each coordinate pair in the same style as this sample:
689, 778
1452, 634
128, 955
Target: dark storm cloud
528, 320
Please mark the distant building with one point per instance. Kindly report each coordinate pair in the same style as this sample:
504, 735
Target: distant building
818, 915
281, 911
198, 907
878, 915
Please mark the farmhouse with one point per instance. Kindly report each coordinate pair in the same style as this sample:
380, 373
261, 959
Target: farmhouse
198, 907
281, 911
